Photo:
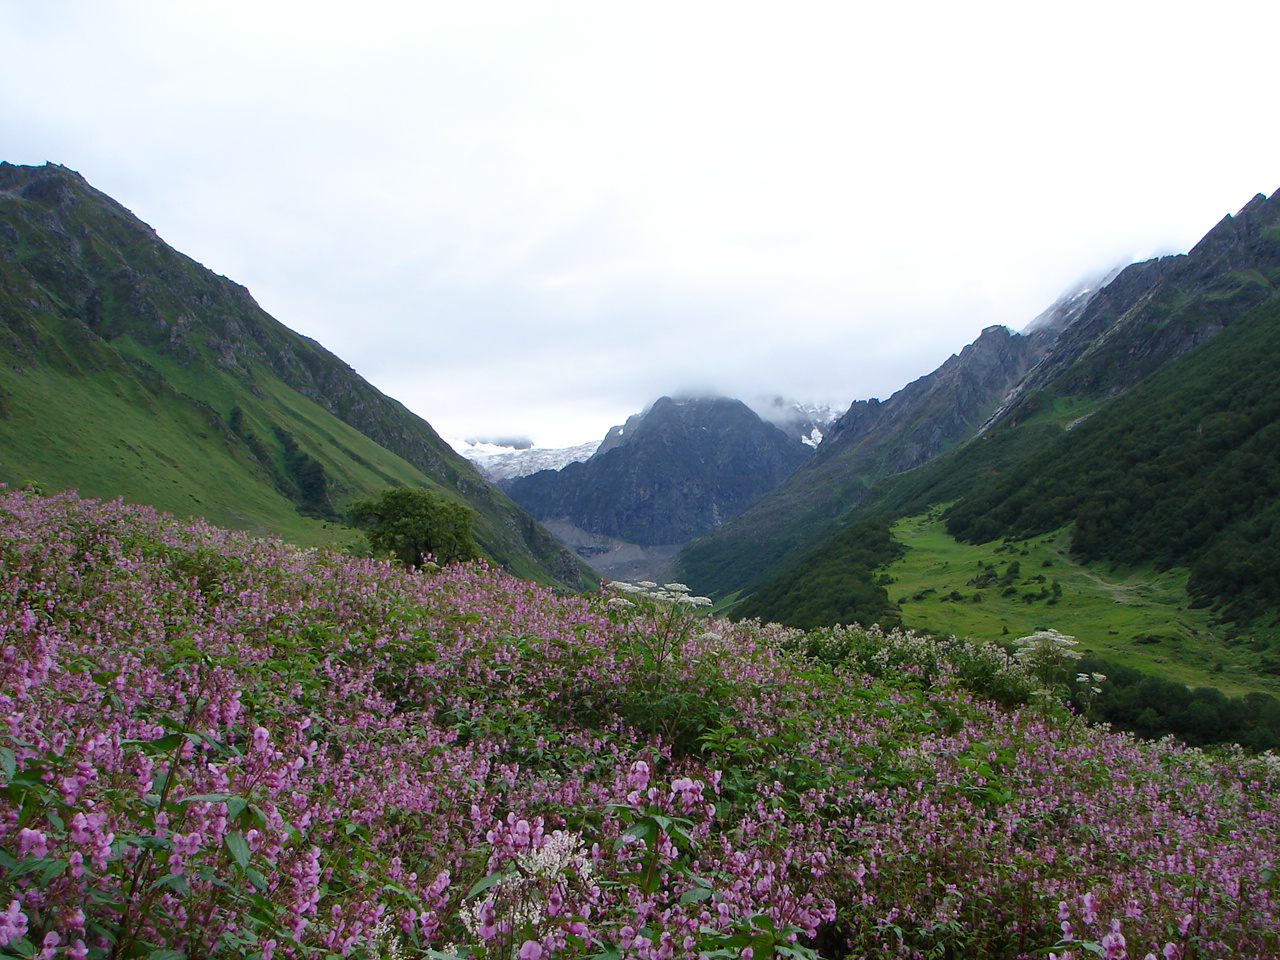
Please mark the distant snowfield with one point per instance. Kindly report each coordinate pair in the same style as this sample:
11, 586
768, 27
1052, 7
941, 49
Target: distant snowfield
501, 462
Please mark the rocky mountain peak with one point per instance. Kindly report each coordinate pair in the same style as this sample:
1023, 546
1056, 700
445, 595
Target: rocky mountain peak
668, 474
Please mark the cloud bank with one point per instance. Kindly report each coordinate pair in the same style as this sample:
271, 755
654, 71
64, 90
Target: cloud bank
533, 219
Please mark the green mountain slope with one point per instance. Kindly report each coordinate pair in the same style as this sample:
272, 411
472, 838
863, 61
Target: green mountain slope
1172, 484
1185, 471
1141, 321
1168, 483
127, 369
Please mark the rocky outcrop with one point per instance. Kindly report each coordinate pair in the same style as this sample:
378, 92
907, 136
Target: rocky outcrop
679, 469
931, 413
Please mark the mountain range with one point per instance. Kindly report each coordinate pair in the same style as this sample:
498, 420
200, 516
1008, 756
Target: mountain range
668, 474
1133, 424
1139, 421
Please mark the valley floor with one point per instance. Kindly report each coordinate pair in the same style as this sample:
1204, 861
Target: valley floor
1137, 617
617, 559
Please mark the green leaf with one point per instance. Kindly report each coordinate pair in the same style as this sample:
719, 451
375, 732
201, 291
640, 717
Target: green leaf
8, 764
165, 744
694, 895
167, 955
256, 878
144, 841
21, 947
644, 830
238, 847
491, 880
52, 871
175, 882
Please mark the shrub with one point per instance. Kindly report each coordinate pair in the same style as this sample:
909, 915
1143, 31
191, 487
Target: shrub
416, 526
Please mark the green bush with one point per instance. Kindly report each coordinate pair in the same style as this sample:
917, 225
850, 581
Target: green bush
416, 525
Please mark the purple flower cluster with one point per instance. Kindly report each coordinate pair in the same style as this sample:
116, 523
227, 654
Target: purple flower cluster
224, 746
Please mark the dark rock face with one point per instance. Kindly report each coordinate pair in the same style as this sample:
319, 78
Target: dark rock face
668, 475
931, 413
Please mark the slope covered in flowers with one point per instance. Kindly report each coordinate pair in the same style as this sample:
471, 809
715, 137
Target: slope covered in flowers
214, 746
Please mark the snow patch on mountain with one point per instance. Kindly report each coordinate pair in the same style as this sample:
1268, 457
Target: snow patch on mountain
499, 461
807, 421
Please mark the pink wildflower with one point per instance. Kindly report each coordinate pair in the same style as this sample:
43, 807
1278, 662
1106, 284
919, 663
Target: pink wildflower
13, 923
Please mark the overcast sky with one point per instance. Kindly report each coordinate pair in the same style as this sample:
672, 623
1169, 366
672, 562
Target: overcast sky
535, 218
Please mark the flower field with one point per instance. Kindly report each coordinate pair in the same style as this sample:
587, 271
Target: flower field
216, 746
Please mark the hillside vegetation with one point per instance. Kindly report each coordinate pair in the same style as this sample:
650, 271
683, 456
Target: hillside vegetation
1182, 472
128, 369
1156, 508
226, 747
1145, 428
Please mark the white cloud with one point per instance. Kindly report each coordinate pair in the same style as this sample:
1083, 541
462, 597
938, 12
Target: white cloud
535, 218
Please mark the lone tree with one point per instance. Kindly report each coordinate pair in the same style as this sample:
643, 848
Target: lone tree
415, 524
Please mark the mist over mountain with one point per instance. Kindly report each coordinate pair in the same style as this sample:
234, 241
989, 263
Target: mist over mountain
1139, 423
1153, 312
873, 439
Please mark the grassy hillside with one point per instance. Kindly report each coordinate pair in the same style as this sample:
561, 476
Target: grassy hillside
1141, 323
1182, 471
223, 747
1156, 512
130, 370
1135, 616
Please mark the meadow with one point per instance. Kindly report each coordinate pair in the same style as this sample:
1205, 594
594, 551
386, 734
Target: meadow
221, 746
1132, 615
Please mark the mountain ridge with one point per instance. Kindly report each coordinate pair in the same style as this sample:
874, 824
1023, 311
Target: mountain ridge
1147, 434
681, 467
96, 308
872, 439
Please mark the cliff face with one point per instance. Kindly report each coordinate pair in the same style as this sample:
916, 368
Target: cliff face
933, 412
666, 476
88, 287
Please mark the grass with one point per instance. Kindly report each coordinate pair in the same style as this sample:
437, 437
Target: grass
1133, 616
104, 436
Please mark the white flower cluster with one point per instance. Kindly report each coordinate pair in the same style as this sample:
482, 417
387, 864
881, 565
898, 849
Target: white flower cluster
385, 941
875, 648
524, 898
1045, 646
561, 854
1091, 680
677, 593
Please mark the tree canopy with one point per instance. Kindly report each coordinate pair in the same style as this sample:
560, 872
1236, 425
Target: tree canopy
416, 525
